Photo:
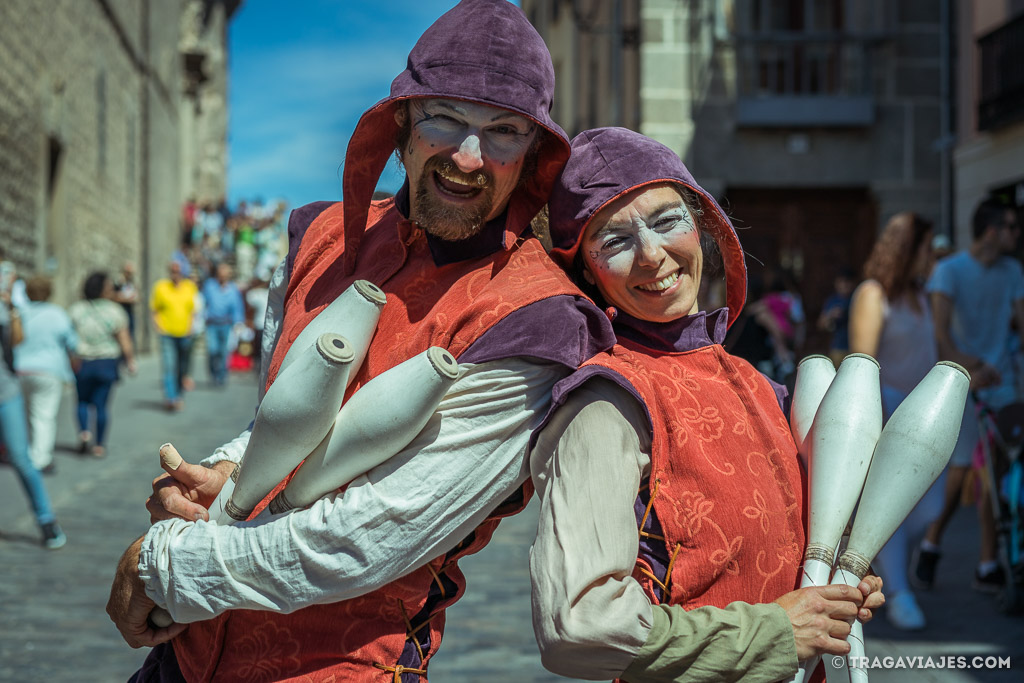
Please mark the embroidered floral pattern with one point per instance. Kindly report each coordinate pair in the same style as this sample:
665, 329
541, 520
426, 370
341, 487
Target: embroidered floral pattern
705, 421
740, 527
726, 557
759, 511
693, 509
267, 653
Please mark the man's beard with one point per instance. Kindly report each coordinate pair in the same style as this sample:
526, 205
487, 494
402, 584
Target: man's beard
440, 218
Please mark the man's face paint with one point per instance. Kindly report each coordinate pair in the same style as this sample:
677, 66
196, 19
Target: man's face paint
643, 254
463, 161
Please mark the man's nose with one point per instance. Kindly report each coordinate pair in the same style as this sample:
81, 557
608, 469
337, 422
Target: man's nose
468, 158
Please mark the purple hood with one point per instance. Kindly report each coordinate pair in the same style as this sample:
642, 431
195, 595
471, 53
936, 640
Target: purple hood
481, 51
606, 163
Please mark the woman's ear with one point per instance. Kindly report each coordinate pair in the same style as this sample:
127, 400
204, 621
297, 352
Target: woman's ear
588, 276
401, 112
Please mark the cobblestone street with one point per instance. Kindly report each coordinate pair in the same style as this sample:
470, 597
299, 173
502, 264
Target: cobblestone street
52, 621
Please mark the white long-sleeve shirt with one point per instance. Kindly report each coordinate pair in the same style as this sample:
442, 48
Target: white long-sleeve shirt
591, 618
417, 505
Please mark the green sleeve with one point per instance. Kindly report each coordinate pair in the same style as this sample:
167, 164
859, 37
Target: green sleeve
740, 642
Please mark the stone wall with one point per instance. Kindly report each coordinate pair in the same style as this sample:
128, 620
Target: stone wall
95, 159
689, 91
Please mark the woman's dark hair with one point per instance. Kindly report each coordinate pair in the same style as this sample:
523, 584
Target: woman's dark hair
892, 259
93, 288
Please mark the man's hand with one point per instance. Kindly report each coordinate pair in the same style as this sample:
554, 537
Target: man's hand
186, 490
821, 618
129, 606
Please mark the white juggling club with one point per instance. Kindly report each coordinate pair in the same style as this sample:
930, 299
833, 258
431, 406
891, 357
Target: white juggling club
844, 433
354, 314
842, 437
914, 448
814, 375
295, 415
375, 423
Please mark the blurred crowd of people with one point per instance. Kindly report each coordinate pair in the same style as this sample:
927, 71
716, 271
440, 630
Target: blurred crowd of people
252, 236
215, 291
917, 303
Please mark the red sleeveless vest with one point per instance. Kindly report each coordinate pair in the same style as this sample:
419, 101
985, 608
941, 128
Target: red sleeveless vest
725, 484
451, 306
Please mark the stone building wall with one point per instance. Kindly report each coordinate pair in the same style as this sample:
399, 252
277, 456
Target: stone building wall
689, 86
91, 135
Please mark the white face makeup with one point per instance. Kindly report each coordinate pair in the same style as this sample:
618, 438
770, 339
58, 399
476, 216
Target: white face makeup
643, 254
463, 161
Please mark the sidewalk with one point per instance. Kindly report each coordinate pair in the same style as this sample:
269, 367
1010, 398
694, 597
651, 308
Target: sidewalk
53, 626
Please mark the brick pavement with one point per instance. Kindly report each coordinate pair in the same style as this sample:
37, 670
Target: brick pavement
53, 627
52, 621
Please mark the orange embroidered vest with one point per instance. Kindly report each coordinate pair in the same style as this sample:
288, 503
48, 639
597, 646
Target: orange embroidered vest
388, 635
725, 483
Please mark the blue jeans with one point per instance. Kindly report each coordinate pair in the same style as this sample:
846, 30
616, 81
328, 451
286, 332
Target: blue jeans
94, 381
175, 353
217, 350
14, 432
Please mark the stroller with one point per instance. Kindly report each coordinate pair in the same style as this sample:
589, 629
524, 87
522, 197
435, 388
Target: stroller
1003, 474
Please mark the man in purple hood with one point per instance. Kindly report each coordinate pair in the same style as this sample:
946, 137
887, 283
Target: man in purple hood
354, 587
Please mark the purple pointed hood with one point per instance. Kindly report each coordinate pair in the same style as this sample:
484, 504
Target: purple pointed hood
481, 51
606, 163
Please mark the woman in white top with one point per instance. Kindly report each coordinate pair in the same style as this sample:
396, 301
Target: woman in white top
890, 320
104, 341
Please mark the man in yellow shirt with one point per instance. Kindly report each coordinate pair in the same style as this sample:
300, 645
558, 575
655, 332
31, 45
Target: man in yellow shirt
172, 305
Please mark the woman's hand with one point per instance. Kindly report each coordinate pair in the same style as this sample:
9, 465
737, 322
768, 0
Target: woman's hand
821, 617
871, 588
185, 491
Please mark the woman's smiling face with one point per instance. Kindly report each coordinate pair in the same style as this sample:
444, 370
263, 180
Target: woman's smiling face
643, 254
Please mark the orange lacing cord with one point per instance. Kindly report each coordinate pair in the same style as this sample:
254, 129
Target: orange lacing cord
646, 513
650, 575
668, 572
437, 578
399, 670
410, 632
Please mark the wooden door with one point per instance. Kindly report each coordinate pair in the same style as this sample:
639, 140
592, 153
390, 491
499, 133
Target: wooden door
813, 233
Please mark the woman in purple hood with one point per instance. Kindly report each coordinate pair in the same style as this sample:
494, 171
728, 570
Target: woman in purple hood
693, 577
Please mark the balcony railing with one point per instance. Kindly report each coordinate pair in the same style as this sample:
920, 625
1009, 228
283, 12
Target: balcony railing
801, 79
1001, 99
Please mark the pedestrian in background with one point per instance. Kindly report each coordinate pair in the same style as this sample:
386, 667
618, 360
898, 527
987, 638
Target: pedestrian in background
43, 363
256, 298
172, 303
890, 319
756, 336
103, 342
12, 284
14, 428
975, 295
224, 310
835, 315
126, 293
198, 328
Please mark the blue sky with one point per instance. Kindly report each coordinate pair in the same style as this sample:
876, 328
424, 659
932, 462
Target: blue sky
301, 74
